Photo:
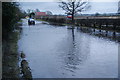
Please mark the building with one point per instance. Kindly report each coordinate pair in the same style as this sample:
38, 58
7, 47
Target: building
40, 14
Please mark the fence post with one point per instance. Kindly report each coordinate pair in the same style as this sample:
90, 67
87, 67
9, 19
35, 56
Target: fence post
100, 27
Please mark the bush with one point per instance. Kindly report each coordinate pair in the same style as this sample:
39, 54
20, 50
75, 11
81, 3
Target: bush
11, 14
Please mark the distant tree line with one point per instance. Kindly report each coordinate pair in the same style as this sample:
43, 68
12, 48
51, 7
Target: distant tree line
31, 13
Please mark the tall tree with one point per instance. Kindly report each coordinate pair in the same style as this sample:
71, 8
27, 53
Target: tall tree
72, 7
10, 16
119, 7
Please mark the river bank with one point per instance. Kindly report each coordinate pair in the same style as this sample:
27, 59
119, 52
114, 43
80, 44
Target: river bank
11, 57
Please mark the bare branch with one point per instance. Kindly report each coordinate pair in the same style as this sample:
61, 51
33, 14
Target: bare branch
80, 4
65, 6
71, 8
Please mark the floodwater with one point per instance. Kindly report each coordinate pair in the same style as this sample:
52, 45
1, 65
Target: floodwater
52, 53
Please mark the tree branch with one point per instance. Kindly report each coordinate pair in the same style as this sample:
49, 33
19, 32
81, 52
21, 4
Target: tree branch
78, 6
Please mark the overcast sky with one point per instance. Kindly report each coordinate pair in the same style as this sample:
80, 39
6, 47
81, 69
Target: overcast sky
100, 6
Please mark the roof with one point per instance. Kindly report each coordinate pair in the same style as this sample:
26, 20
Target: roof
41, 13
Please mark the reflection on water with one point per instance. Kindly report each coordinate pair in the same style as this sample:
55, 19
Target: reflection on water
74, 51
114, 36
71, 58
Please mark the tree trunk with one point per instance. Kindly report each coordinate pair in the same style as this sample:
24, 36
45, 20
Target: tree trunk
73, 21
73, 13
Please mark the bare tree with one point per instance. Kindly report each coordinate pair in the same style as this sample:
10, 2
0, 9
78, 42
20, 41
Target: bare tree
119, 7
72, 7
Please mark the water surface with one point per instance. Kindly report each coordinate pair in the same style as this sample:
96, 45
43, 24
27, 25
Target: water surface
52, 53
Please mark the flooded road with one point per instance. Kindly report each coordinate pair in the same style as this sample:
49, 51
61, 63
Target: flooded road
52, 53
